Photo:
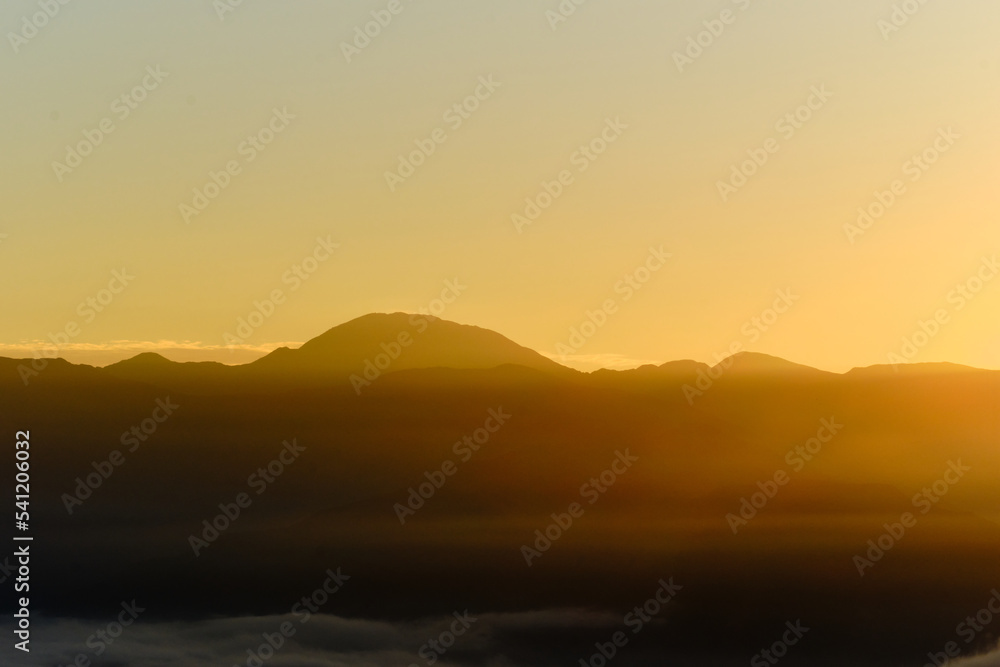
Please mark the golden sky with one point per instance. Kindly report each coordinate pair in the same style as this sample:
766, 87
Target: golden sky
619, 121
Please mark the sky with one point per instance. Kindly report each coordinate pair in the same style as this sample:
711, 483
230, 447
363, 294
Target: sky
170, 168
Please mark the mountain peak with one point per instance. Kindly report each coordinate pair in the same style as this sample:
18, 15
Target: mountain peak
401, 341
143, 359
757, 363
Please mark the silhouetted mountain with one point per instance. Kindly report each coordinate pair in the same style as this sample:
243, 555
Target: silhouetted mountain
854, 449
190, 377
922, 369
755, 363
401, 341
365, 348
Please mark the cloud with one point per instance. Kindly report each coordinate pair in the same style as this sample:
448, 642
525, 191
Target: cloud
317, 641
542, 638
991, 659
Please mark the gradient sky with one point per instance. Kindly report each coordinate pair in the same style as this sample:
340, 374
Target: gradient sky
655, 186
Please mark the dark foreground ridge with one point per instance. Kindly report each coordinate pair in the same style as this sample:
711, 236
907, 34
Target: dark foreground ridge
208, 491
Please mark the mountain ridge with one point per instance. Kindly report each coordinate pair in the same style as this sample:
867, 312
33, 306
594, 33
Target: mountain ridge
379, 343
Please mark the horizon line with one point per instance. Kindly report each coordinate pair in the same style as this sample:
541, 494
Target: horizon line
120, 350
196, 351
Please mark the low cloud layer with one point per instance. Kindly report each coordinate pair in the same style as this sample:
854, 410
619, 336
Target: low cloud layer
315, 641
540, 639
991, 659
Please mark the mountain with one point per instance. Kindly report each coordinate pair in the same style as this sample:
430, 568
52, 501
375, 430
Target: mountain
379, 344
928, 368
400, 341
481, 445
364, 348
757, 364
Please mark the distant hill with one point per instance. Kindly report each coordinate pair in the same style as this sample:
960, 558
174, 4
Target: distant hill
190, 377
929, 368
755, 363
364, 348
400, 341
379, 344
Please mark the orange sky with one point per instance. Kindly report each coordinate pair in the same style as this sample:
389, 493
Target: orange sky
219, 158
